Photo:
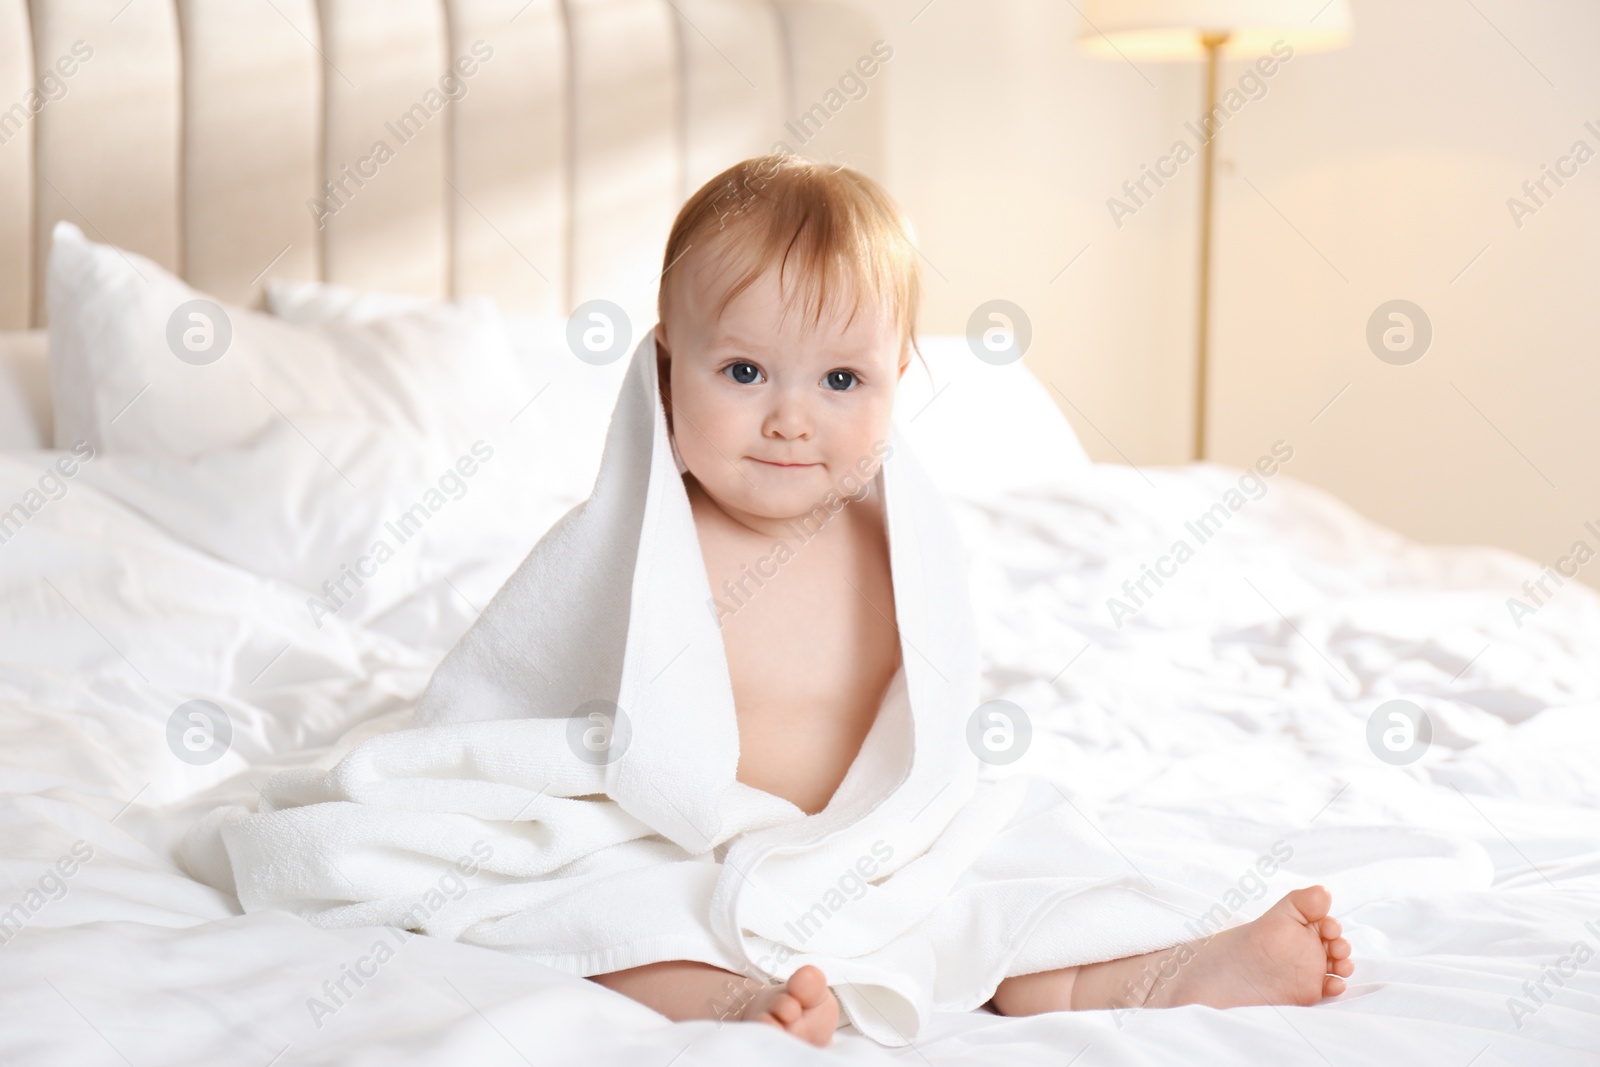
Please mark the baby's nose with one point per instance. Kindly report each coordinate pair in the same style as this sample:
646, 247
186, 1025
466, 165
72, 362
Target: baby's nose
789, 418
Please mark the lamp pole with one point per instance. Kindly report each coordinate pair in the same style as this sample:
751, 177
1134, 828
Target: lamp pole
1213, 43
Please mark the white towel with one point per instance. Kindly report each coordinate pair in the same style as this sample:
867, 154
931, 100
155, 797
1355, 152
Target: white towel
498, 819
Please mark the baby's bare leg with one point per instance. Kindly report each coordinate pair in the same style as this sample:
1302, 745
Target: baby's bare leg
683, 990
1293, 954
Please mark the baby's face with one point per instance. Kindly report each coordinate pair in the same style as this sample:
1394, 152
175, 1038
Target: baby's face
768, 414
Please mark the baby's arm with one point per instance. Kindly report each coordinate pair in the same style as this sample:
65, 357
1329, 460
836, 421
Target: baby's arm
683, 990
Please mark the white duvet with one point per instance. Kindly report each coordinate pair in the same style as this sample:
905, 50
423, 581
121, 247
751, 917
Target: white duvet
1237, 695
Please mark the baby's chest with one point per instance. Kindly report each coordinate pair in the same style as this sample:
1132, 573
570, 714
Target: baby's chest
823, 632
811, 647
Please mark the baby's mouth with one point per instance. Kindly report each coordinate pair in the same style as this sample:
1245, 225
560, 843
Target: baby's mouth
786, 466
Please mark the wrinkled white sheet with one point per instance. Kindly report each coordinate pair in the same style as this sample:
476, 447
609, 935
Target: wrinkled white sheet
1239, 695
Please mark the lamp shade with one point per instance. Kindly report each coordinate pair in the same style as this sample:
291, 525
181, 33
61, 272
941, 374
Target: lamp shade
1174, 29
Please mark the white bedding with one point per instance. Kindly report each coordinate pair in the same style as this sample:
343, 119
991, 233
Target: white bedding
1209, 701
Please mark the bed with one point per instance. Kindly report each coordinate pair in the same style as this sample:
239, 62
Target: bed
206, 144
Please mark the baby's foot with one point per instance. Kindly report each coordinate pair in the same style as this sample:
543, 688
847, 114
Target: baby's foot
804, 1006
1293, 954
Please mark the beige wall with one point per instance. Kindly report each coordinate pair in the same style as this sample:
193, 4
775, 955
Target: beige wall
1364, 175
1003, 143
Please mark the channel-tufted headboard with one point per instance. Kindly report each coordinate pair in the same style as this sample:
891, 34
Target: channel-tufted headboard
532, 150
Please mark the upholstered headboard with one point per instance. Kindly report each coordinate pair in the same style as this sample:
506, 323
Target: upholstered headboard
532, 150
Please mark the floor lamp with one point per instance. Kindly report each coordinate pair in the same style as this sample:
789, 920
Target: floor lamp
1137, 30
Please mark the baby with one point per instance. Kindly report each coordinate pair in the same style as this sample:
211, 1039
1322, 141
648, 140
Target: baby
787, 310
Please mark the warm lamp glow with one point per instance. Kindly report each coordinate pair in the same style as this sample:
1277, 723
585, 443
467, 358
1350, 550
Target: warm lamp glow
1176, 29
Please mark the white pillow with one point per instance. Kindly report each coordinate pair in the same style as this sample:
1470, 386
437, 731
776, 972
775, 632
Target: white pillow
307, 302
382, 478
981, 429
560, 434
141, 364
374, 530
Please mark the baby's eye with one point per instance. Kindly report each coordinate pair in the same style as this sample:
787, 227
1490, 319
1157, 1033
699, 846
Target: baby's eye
840, 380
743, 373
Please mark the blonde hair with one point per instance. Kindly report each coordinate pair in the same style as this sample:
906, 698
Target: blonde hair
841, 226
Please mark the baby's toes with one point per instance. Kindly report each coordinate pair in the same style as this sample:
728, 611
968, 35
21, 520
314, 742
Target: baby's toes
1339, 949
1329, 928
1332, 986
786, 1010
1342, 968
809, 985
1312, 903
